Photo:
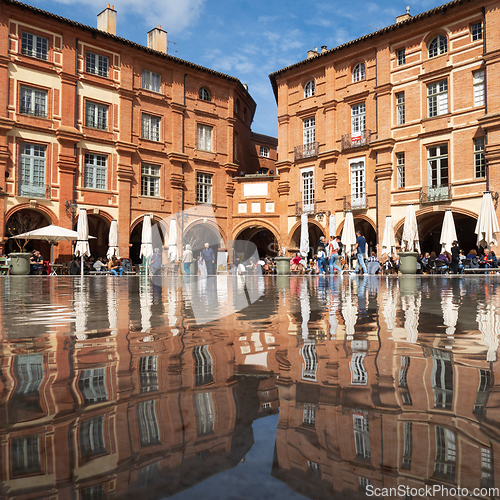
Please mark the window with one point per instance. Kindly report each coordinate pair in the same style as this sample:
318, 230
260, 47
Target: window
29, 373
358, 118
33, 102
309, 131
150, 127
442, 382
483, 390
437, 98
203, 188
205, 415
150, 180
359, 376
264, 151
437, 158
151, 81
95, 492
478, 82
309, 88
479, 163
401, 57
476, 31
203, 365
358, 197
446, 453
95, 171
309, 414
310, 362
92, 385
407, 445
148, 424
361, 436
358, 73
204, 94
26, 456
400, 108
307, 186
92, 437
438, 46
486, 468
35, 46
147, 475
148, 373
204, 137
400, 158
96, 116
97, 65
32, 170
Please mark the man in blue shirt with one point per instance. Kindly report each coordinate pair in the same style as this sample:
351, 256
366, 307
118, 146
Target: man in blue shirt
360, 250
207, 254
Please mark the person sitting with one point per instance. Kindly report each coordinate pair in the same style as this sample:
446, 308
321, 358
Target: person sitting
74, 267
36, 262
296, 263
115, 268
472, 257
99, 266
443, 257
252, 267
373, 264
493, 259
485, 260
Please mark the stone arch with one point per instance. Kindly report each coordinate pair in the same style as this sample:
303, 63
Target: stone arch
213, 226
39, 207
359, 217
134, 237
255, 232
297, 225
256, 223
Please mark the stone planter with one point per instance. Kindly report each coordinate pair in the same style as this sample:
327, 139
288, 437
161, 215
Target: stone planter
283, 265
20, 263
408, 262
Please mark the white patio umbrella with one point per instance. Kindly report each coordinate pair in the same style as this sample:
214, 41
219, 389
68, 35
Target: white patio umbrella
333, 225
304, 235
487, 223
348, 238
173, 254
112, 302
450, 312
82, 243
349, 312
305, 309
389, 308
80, 304
52, 234
146, 300
489, 325
410, 239
146, 240
388, 240
448, 232
113, 240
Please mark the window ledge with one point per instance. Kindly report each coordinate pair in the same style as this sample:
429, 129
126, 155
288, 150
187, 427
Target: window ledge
150, 197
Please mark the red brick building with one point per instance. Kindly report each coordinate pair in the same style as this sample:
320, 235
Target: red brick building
95, 121
408, 114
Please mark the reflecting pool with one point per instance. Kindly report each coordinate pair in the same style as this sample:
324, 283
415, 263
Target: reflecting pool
256, 387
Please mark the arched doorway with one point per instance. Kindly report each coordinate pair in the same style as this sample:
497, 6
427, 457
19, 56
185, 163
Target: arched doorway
315, 232
263, 238
429, 230
159, 239
198, 233
24, 220
367, 230
98, 227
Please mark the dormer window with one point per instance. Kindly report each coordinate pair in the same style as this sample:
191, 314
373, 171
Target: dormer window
204, 94
309, 89
358, 73
438, 46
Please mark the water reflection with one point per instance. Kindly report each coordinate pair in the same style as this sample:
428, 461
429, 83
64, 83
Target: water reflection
114, 387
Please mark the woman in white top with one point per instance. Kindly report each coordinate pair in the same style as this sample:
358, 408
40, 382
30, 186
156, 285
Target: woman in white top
333, 250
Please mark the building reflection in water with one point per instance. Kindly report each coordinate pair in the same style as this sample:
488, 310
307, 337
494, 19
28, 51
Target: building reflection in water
123, 390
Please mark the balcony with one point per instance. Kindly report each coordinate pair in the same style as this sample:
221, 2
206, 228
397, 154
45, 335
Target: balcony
434, 194
356, 139
358, 202
306, 151
301, 208
33, 190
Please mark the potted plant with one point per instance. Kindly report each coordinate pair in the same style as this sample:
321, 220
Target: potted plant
21, 223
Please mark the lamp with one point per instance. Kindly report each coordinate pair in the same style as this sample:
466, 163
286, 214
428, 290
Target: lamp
71, 210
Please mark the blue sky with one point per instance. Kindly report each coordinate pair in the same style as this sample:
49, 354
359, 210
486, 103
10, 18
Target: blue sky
247, 39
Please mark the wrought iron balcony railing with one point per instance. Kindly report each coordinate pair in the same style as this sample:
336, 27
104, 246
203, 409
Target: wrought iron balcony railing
33, 190
306, 151
305, 208
356, 139
356, 202
433, 194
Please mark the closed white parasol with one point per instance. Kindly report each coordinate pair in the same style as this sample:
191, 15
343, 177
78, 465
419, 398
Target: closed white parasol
448, 232
410, 239
487, 223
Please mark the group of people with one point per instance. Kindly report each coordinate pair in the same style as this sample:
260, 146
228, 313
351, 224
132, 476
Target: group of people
112, 266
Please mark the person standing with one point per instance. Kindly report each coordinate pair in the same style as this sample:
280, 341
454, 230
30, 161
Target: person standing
207, 254
187, 259
333, 249
321, 260
360, 249
155, 263
455, 257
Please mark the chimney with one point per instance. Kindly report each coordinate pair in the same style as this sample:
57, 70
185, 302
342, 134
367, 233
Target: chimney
404, 17
157, 40
312, 53
323, 49
106, 20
